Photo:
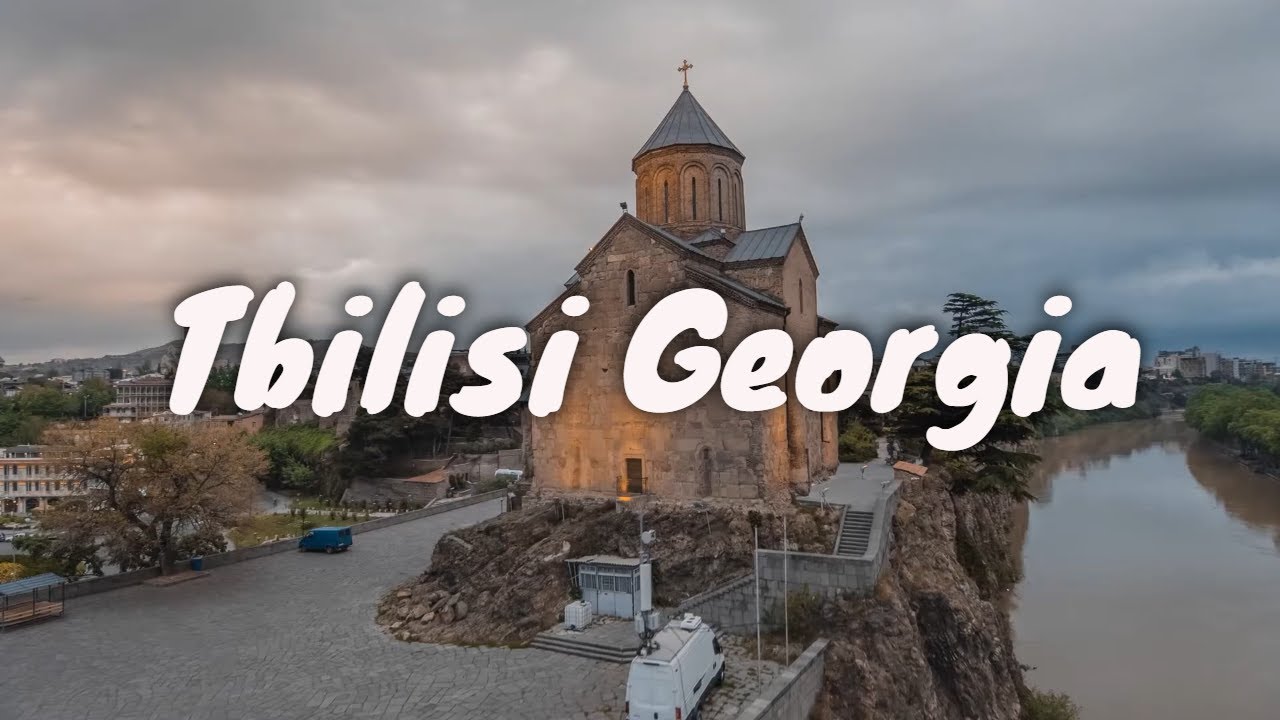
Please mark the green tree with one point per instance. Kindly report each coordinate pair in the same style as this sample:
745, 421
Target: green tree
45, 401
975, 314
858, 443
998, 463
300, 457
93, 395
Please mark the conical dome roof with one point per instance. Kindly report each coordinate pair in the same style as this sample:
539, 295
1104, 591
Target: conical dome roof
687, 123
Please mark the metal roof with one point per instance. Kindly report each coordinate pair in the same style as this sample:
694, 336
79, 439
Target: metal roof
708, 235
763, 244
26, 585
614, 560
687, 123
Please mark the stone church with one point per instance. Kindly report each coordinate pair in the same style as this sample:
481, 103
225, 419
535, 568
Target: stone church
689, 230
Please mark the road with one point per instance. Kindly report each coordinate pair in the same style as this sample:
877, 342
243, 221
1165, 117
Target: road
286, 636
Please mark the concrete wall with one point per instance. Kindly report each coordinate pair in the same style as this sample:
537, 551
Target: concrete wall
729, 608
92, 586
732, 607
830, 575
792, 694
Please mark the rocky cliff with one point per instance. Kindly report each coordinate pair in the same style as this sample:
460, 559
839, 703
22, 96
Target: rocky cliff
503, 581
933, 642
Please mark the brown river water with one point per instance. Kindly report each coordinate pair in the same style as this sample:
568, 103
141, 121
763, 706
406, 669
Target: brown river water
1151, 577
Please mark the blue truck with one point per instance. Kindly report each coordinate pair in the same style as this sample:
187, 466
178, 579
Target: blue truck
328, 539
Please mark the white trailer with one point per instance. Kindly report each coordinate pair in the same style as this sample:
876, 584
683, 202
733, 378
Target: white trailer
670, 678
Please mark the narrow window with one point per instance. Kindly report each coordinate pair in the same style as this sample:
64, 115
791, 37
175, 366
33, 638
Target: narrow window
666, 202
694, 183
631, 287
800, 282
720, 199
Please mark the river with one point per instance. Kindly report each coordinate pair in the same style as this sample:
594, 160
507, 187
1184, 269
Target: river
1151, 577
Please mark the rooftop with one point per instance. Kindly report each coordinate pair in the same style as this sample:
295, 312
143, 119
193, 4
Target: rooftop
763, 244
687, 123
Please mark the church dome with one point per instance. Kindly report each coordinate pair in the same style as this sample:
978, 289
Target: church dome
687, 123
689, 174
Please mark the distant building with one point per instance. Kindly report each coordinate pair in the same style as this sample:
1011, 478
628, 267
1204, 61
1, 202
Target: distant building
1170, 361
139, 398
30, 482
251, 422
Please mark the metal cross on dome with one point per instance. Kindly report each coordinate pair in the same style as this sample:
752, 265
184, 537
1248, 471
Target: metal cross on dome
685, 67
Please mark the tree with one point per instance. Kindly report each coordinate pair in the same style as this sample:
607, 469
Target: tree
43, 401
151, 494
301, 457
858, 444
974, 314
93, 395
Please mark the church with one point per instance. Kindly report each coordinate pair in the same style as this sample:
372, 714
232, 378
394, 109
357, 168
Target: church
689, 230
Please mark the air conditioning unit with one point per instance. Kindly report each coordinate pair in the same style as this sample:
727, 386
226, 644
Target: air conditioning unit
577, 615
690, 622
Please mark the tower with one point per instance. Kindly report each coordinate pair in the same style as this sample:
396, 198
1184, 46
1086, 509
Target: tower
689, 173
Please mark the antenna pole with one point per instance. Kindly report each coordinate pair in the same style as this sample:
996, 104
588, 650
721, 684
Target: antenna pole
757, 562
786, 614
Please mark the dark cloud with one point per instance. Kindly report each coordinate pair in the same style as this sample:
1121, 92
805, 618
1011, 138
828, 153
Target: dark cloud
1124, 152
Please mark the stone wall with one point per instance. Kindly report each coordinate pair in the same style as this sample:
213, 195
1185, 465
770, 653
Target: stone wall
791, 695
93, 586
706, 450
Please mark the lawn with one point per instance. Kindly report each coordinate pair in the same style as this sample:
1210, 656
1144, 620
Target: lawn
262, 528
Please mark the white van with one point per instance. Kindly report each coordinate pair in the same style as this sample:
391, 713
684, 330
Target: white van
672, 679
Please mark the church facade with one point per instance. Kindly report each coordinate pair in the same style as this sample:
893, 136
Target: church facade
689, 230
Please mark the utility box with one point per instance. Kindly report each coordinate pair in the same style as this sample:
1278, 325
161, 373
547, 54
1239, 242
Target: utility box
577, 615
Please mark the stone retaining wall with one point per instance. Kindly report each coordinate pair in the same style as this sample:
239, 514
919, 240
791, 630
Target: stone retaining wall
92, 586
729, 608
829, 575
791, 695
732, 607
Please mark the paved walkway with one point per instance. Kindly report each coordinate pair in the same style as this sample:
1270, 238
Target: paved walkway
851, 486
286, 636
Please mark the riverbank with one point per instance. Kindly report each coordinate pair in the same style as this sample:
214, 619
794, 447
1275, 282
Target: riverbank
1150, 550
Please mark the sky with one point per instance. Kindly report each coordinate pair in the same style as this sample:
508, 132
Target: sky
1124, 152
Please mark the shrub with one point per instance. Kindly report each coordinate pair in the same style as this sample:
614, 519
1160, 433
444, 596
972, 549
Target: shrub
857, 444
1039, 705
10, 571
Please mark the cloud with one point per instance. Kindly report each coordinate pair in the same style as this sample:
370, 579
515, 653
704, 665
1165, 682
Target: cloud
1125, 153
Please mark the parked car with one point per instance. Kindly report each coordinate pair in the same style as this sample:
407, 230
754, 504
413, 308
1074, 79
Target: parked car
669, 680
328, 539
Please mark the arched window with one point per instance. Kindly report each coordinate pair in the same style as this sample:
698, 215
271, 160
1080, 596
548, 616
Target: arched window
693, 182
666, 202
800, 284
720, 198
631, 287
704, 472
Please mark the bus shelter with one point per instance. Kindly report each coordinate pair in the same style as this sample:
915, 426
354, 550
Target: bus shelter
31, 599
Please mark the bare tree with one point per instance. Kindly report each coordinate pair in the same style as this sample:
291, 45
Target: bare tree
152, 493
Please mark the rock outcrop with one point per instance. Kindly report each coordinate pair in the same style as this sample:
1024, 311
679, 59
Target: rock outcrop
504, 581
933, 643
